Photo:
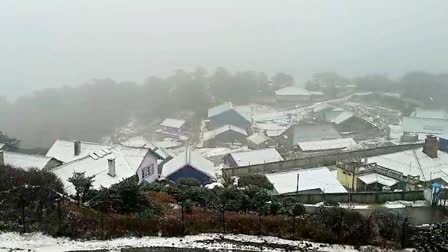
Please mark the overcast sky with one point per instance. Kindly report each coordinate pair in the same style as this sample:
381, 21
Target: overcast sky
51, 43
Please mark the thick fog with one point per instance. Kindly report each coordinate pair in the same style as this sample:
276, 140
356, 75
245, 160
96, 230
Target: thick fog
50, 43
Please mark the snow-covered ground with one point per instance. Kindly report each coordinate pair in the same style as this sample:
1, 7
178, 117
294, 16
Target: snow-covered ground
39, 242
389, 204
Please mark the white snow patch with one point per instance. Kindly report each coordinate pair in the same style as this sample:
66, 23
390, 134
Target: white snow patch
39, 242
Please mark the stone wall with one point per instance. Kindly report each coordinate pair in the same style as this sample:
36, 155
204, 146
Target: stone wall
359, 197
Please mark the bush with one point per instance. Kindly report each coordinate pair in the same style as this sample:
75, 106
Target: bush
256, 180
388, 223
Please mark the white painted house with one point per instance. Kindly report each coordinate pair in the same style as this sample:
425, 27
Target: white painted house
109, 164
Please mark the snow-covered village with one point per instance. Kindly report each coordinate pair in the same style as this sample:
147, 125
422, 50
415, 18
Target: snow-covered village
178, 126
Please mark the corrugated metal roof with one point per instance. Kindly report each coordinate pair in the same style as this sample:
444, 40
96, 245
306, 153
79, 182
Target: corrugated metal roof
424, 125
309, 179
377, 178
406, 163
256, 157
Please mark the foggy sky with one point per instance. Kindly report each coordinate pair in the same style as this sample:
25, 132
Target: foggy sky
49, 43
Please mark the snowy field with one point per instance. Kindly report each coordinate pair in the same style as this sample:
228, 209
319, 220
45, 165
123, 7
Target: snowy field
213, 242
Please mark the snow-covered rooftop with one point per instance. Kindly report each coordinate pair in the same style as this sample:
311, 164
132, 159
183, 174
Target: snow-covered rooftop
25, 161
172, 123
258, 138
127, 162
424, 125
406, 163
342, 117
256, 157
377, 178
64, 150
192, 158
292, 91
309, 179
430, 113
220, 109
213, 133
327, 144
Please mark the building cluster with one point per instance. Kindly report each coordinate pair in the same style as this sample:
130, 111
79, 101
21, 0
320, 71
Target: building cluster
325, 130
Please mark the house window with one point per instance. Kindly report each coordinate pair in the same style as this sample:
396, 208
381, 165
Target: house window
144, 173
151, 169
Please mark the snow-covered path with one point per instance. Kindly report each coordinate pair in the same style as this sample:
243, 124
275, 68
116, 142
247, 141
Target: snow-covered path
40, 242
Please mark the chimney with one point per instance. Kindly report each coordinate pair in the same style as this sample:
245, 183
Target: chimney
111, 164
2, 158
77, 148
431, 146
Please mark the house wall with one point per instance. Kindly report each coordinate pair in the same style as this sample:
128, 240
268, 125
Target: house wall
149, 160
230, 117
315, 161
190, 172
172, 130
348, 179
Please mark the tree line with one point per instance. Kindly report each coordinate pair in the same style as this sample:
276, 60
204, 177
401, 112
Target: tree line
95, 109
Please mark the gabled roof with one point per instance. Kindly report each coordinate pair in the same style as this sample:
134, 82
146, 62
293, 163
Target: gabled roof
213, 133
25, 161
220, 109
309, 179
258, 138
327, 144
342, 117
314, 132
256, 157
64, 150
191, 158
127, 162
172, 123
2, 145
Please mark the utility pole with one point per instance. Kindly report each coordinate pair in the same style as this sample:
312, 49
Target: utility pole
298, 179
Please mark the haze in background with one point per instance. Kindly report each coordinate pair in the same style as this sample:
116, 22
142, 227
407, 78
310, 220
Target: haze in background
50, 43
